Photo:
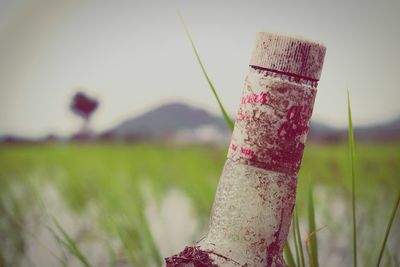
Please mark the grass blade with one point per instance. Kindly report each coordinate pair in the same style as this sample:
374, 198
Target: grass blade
308, 241
388, 227
312, 229
289, 255
226, 117
63, 259
295, 241
128, 249
71, 244
298, 237
353, 198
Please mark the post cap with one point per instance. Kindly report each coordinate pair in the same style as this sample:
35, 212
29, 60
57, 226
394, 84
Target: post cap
291, 55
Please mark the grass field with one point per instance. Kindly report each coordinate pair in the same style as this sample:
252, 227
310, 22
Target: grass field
116, 179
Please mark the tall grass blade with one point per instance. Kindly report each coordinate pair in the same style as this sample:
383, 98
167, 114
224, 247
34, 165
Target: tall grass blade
289, 255
298, 237
308, 242
62, 245
71, 244
353, 198
130, 252
296, 247
388, 227
226, 117
313, 245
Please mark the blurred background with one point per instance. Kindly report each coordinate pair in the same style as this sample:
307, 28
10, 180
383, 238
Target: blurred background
112, 144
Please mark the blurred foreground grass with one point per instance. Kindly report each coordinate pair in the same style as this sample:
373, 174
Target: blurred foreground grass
116, 179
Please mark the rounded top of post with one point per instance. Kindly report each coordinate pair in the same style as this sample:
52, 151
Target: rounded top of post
292, 55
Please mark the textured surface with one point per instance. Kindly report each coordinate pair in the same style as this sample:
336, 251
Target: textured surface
289, 54
251, 215
272, 123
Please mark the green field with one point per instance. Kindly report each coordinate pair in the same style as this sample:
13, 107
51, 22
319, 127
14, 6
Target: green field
115, 178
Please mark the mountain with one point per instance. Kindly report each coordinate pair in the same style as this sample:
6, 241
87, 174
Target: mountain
385, 131
167, 121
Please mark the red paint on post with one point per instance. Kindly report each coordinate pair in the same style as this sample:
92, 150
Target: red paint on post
274, 130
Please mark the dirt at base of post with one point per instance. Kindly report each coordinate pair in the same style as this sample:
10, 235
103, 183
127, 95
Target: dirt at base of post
190, 256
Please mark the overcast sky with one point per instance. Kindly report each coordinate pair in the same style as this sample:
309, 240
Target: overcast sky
134, 55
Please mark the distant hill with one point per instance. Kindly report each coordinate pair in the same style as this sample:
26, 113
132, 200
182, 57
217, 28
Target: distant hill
384, 132
167, 121
175, 120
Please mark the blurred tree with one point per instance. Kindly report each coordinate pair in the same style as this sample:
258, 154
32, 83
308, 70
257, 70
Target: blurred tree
84, 106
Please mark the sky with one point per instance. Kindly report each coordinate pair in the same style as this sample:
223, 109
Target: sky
134, 55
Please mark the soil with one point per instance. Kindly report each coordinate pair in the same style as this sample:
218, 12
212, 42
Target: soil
190, 257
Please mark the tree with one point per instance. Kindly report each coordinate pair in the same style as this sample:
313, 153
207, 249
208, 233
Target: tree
84, 106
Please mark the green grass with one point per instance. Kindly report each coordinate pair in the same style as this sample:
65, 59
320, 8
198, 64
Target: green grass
388, 228
312, 245
297, 239
353, 178
111, 176
65, 240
